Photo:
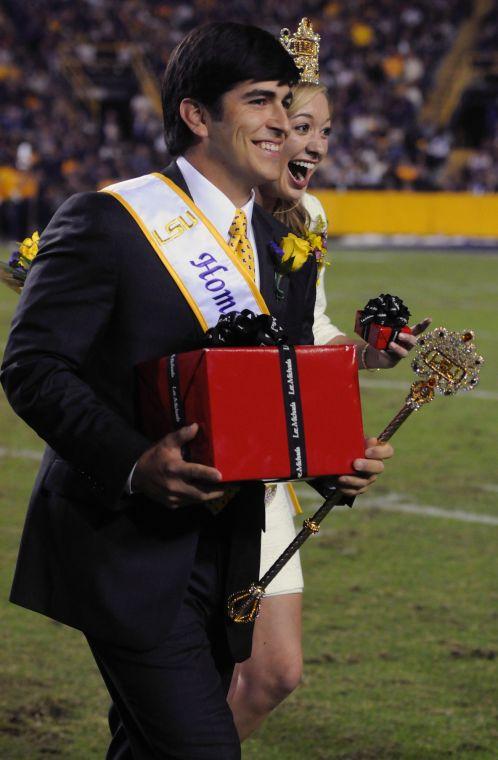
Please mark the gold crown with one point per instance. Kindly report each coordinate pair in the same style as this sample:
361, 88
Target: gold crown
303, 47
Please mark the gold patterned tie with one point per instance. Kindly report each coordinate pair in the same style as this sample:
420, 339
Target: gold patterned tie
239, 242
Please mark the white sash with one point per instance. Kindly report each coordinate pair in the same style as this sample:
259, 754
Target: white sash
202, 264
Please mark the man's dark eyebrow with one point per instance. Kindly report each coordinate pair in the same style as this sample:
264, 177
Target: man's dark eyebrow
260, 94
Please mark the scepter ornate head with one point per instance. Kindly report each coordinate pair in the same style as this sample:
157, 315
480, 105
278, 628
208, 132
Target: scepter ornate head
449, 357
446, 362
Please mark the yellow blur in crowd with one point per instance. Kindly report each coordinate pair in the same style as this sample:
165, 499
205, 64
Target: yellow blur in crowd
16, 184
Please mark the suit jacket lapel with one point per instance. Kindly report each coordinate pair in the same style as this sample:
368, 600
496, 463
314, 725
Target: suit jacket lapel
267, 228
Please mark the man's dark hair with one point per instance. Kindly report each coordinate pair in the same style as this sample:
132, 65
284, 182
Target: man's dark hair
212, 60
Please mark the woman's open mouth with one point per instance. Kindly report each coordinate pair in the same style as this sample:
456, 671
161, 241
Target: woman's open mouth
300, 172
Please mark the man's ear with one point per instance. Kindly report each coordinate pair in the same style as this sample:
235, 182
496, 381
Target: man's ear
194, 116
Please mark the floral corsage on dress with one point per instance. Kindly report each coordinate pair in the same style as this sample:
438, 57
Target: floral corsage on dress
15, 272
292, 253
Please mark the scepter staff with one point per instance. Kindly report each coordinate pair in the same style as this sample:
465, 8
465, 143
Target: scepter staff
446, 362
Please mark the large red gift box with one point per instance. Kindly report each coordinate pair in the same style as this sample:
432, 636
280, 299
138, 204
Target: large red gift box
242, 399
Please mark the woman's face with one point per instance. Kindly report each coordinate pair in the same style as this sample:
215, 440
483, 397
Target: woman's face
303, 150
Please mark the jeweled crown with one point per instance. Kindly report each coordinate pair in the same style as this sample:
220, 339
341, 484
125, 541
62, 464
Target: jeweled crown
303, 46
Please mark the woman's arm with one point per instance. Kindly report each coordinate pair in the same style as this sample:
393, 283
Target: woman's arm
323, 330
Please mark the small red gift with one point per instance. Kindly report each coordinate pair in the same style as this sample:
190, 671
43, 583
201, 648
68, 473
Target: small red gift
379, 336
266, 413
382, 320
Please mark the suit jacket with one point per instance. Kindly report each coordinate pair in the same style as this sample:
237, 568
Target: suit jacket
98, 301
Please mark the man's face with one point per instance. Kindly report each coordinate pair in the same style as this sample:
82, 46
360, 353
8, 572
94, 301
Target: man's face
247, 139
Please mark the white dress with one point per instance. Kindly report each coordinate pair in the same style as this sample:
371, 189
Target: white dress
280, 529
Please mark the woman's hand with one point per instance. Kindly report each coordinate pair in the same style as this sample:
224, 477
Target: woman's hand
374, 359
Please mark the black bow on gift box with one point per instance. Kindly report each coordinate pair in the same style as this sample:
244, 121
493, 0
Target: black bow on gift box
385, 310
245, 329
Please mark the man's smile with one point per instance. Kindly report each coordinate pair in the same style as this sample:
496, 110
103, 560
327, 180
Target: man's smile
268, 146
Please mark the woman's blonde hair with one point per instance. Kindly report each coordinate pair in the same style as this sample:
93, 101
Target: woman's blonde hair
294, 215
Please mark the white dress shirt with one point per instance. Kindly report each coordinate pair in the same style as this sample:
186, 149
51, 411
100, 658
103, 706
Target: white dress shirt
216, 206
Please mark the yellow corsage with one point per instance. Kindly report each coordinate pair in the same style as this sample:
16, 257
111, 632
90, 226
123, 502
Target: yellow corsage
289, 256
29, 247
14, 273
318, 247
295, 252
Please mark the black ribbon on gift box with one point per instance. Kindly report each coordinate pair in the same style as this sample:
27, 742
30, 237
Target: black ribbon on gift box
175, 395
242, 330
293, 411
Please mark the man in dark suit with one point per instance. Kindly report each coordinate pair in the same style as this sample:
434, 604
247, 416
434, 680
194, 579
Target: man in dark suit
118, 542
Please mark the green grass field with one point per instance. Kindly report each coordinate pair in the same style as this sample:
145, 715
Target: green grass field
401, 614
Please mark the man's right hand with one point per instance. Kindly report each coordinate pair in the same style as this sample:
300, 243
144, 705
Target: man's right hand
163, 475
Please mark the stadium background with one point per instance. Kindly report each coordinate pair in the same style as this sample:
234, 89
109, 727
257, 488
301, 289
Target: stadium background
400, 607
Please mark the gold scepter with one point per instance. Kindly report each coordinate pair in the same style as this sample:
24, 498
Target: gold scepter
445, 362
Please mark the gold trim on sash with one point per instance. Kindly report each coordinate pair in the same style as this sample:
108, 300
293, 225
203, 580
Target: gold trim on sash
219, 239
293, 497
157, 249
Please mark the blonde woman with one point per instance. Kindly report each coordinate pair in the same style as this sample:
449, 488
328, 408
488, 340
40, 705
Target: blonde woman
275, 667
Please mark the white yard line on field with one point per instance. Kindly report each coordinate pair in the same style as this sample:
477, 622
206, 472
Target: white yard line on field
32, 454
489, 487
395, 502
399, 385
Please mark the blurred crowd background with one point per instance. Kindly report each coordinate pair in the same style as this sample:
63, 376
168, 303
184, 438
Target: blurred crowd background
414, 88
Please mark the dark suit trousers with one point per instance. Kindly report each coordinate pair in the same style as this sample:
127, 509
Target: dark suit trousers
170, 702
